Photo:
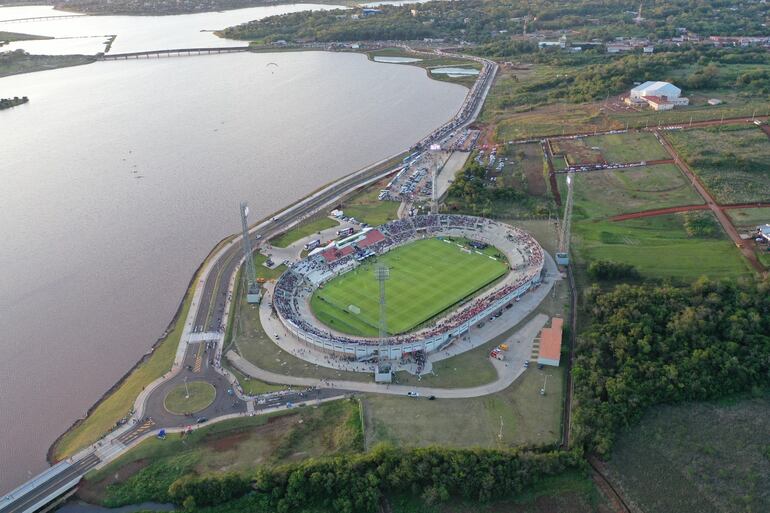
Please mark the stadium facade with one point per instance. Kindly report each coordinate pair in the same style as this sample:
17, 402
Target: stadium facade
295, 287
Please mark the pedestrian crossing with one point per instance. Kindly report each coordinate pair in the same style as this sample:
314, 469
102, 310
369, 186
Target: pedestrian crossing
198, 359
127, 438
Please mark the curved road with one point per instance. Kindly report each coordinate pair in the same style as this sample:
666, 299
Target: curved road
201, 343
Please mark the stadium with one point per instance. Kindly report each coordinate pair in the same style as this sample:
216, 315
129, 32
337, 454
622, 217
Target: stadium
446, 273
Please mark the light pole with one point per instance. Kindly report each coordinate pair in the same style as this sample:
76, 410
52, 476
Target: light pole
545, 381
186, 390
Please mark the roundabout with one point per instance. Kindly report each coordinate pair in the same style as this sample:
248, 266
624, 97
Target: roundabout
189, 397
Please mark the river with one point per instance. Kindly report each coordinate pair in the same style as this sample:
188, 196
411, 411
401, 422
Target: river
119, 177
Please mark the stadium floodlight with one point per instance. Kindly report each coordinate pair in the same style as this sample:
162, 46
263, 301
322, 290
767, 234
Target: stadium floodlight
253, 290
383, 372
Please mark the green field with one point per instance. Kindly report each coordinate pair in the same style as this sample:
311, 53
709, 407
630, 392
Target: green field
659, 247
192, 398
602, 194
303, 230
426, 277
526, 416
749, 218
628, 147
698, 458
734, 163
366, 208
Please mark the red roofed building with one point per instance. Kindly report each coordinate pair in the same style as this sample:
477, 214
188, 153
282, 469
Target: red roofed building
550, 343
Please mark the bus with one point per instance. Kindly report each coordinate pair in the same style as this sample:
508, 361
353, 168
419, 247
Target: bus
345, 232
310, 246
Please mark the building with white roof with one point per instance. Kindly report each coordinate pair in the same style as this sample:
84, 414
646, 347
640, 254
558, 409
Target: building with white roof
658, 95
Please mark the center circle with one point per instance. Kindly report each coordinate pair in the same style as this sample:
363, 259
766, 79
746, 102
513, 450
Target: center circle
190, 398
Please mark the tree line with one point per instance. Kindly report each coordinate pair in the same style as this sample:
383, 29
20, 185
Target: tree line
650, 345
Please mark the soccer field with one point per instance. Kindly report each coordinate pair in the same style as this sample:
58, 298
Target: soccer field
426, 277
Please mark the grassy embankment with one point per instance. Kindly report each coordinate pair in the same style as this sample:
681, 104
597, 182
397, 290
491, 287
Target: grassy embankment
237, 445
365, 206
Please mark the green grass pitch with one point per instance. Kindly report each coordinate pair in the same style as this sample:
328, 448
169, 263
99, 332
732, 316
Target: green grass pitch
426, 277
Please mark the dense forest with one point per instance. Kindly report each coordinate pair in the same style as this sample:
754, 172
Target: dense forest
359, 482
652, 345
485, 21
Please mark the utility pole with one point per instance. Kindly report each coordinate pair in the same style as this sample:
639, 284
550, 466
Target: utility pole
545, 382
186, 390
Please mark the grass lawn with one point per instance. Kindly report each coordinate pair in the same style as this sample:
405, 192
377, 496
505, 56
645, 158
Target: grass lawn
366, 208
659, 247
749, 218
426, 277
196, 396
526, 416
698, 458
303, 230
602, 194
264, 272
733, 163
256, 346
253, 386
628, 147
118, 403
239, 444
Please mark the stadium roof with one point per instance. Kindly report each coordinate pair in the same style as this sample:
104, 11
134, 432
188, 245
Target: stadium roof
550, 343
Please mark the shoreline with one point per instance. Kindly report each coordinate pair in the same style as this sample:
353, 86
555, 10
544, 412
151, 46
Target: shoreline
385, 163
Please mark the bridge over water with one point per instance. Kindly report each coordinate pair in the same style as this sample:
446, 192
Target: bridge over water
171, 53
42, 18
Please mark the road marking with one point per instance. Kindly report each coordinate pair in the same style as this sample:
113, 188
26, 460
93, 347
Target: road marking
198, 359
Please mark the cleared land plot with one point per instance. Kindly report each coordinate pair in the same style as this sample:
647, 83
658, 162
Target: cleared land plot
749, 218
366, 208
733, 163
576, 151
628, 147
525, 166
524, 414
698, 458
233, 445
426, 277
556, 119
659, 247
602, 194
303, 230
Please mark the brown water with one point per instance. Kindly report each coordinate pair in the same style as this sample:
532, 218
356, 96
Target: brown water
119, 177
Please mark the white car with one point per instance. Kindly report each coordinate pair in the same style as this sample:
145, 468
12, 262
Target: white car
413, 394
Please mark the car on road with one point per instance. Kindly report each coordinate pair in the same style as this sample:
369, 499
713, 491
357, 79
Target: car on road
201, 420
413, 394
526, 364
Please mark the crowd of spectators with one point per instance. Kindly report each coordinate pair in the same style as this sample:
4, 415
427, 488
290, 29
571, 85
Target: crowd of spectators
301, 278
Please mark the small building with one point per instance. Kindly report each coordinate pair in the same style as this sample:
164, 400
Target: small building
763, 232
648, 50
550, 343
714, 101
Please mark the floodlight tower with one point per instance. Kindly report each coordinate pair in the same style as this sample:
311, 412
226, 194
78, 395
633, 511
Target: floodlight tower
562, 255
253, 291
383, 372
435, 167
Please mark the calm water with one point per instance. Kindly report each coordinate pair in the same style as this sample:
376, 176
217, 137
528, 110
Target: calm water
119, 177
88, 34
